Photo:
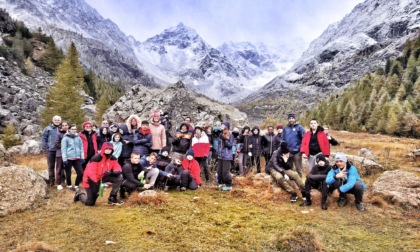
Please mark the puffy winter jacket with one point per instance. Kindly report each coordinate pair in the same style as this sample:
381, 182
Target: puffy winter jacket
182, 141
293, 135
72, 147
142, 142
256, 141
86, 144
193, 167
268, 143
352, 177
322, 140
127, 141
224, 147
49, 136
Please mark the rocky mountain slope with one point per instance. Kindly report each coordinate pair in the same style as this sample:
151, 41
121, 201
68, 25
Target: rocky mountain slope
178, 101
363, 40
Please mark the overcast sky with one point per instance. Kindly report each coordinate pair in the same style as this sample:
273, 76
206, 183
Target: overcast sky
218, 21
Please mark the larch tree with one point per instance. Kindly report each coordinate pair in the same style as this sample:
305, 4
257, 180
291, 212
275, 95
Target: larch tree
63, 98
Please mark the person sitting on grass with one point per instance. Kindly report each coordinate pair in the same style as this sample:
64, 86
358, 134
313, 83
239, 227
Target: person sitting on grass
150, 171
190, 177
174, 171
343, 178
103, 167
316, 179
130, 171
281, 171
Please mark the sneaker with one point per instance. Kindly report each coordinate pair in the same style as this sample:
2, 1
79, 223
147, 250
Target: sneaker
226, 188
166, 188
220, 186
324, 206
293, 197
77, 196
59, 187
114, 201
360, 207
342, 202
183, 189
306, 203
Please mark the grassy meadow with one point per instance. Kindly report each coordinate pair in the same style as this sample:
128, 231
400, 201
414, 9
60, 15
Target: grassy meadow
252, 217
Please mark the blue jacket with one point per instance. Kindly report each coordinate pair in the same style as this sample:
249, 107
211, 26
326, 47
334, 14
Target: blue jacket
293, 135
72, 147
352, 177
142, 142
224, 147
49, 136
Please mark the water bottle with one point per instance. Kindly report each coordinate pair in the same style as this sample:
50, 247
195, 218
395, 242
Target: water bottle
101, 190
217, 178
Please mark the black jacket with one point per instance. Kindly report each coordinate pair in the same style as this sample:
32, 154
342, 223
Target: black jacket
131, 171
127, 141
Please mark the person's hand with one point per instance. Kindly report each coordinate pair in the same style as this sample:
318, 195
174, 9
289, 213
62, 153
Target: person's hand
126, 141
336, 193
170, 175
82, 161
141, 175
304, 155
65, 163
341, 174
147, 186
286, 177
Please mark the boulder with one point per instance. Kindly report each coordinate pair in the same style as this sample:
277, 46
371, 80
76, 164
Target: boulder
262, 177
32, 147
367, 153
14, 150
148, 193
399, 187
2, 152
20, 188
365, 166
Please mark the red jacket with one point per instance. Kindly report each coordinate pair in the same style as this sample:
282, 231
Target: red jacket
99, 164
323, 142
85, 142
193, 167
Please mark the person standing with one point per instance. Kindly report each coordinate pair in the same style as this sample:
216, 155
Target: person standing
201, 146
49, 136
278, 138
102, 168
182, 140
256, 147
142, 139
268, 143
224, 154
243, 145
127, 144
293, 135
73, 156
331, 139
314, 142
59, 172
90, 146
158, 133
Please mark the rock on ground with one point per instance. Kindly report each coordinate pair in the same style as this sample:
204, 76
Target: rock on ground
399, 187
364, 165
148, 193
20, 188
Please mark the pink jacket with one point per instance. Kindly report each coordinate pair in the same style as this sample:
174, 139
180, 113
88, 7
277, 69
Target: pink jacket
158, 136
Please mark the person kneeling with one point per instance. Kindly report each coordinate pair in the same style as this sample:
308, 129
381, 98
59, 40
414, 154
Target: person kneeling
130, 170
344, 178
316, 179
103, 167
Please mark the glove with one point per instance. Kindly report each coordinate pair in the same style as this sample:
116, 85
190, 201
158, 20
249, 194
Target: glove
170, 175
286, 177
82, 161
141, 175
107, 174
65, 163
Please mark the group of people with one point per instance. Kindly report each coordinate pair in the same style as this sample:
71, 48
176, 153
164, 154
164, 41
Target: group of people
143, 154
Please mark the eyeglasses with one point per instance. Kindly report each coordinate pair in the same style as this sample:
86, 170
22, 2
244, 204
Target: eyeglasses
73, 129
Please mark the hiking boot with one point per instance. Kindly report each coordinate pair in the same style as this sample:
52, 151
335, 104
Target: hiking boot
306, 203
166, 189
220, 186
114, 201
59, 187
324, 206
77, 196
360, 207
183, 189
293, 197
226, 188
342, 202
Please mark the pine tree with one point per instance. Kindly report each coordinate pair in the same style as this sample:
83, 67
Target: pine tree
51, 58
401, 93
396, 69
101, 107
63, 98
393, 118
387, 66
9, 138
393, 84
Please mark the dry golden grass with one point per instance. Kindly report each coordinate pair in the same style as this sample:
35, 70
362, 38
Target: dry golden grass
252, 217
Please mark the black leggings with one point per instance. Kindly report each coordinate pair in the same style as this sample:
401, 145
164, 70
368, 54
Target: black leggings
79, 171
92, 193
202, 161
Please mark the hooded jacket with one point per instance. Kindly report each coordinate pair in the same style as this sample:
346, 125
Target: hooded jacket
48, 138
93, 135
224, 147
117, 145
128, 123
352, 177
127, 142
57, 144
72, 147
163, 161
193, 167
182, 140
309, 147
244, 141
268, 143
256, 141
319, 173
101, 165
102, 138
158, 136
142, 141
279, 164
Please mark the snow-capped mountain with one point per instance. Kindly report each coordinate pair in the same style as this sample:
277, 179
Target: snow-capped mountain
374, 31
103, 47
227, 73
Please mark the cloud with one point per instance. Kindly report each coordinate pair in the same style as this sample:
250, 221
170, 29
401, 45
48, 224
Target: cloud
218, 21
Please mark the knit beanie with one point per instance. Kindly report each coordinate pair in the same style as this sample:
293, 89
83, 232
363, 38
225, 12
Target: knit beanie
190, 152
340, 156
291, 115
227, 124
284, 148
86, 124
279, 126
320, 157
